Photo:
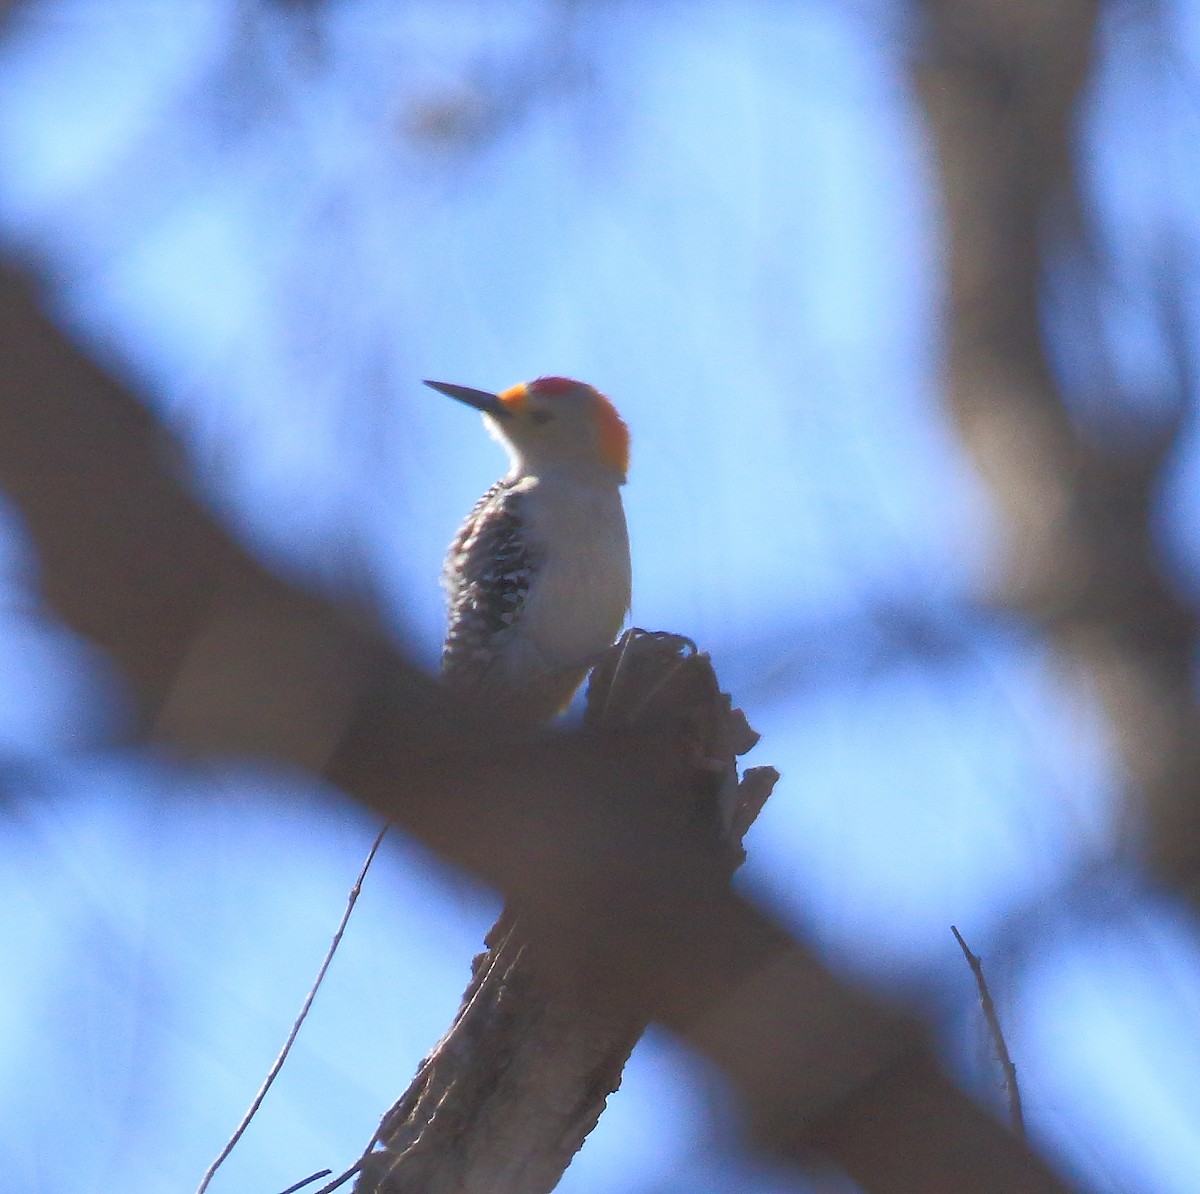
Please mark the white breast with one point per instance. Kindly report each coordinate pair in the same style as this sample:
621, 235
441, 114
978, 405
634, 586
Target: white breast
580, 594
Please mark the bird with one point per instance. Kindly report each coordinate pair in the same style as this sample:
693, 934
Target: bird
538, 578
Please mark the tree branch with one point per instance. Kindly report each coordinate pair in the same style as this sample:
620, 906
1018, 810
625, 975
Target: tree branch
222, 657
1001, 83
508, 1096
990, 1015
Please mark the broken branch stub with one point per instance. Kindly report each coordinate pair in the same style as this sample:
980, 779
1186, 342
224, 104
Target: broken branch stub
507, 1097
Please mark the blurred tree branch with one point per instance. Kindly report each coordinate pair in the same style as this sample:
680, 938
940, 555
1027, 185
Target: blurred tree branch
223, 657
1000, 84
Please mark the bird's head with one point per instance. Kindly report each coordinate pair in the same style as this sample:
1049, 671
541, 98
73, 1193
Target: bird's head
552, 422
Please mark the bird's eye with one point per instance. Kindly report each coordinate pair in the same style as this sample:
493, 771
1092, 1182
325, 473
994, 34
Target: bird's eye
541, 416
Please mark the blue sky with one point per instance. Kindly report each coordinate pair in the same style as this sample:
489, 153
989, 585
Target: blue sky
728, 223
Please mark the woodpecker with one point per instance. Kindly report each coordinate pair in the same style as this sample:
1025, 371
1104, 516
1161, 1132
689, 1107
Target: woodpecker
538, 576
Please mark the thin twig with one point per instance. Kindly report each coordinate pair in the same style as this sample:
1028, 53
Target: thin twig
308, 1181
623, 646
343, 1178
993, 1022
273, 1072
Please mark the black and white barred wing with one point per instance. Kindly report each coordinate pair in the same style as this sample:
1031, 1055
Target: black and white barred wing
488, 573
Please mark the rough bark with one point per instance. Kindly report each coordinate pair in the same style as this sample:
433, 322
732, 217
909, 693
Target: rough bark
508, 1096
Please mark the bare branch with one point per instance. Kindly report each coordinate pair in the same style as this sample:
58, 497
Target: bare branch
1011, 1089
308, 1181
277, 1065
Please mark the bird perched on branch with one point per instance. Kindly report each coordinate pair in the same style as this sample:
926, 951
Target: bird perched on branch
538, 577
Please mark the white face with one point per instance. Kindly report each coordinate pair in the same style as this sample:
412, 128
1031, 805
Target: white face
540, 429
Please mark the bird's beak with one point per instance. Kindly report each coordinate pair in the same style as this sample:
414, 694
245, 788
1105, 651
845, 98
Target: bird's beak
490, 404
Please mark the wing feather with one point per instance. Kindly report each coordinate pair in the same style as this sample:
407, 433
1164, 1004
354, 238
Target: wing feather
488, 571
